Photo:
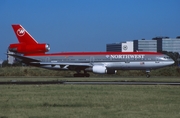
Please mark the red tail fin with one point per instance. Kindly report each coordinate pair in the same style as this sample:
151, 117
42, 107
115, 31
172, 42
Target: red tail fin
23, 36
27, 44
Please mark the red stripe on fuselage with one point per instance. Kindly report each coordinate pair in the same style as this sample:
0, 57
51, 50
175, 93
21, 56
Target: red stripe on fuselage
94, 53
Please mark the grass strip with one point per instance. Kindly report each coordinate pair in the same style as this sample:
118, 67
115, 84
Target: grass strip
87, 101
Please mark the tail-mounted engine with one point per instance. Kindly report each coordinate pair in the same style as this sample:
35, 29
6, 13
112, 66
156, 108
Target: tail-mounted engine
29, 49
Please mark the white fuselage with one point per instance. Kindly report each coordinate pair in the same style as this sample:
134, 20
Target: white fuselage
110, 61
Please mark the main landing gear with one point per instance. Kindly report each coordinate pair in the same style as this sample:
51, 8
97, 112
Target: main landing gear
78, 74
147, 73
81, 75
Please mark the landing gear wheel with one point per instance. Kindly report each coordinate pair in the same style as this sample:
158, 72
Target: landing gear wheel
81, 75
76, 75
148, 75
86, 75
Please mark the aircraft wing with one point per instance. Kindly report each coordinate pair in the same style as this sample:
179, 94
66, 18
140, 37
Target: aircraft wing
35, 62
63, 63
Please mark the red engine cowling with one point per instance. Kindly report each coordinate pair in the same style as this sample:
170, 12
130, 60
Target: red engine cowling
29, 49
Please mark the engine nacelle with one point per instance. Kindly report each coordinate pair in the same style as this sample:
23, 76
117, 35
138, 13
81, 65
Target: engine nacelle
102, 70
29, 49
99, 69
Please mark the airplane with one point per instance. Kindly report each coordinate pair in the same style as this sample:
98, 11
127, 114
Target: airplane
34, 54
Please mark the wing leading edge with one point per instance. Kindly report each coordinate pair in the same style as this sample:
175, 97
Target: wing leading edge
50, 65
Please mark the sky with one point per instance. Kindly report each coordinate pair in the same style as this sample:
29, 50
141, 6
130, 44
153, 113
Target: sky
88, 25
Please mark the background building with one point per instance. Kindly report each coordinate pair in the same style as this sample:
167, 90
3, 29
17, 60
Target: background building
128, 46
115, 47
120, 47
1, 62
157, 44
168, 44
145, 45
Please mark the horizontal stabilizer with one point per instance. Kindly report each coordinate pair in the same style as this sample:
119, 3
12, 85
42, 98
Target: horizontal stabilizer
24, 59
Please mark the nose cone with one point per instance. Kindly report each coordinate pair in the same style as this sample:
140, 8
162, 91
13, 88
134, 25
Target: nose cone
169, 62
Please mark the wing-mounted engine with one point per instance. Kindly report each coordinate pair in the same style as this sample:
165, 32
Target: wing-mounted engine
100, 69
29, 48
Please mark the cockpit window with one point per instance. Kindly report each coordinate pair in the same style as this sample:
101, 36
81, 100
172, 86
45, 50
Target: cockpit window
167, 58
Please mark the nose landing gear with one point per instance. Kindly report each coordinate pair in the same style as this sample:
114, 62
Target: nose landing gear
147, 73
